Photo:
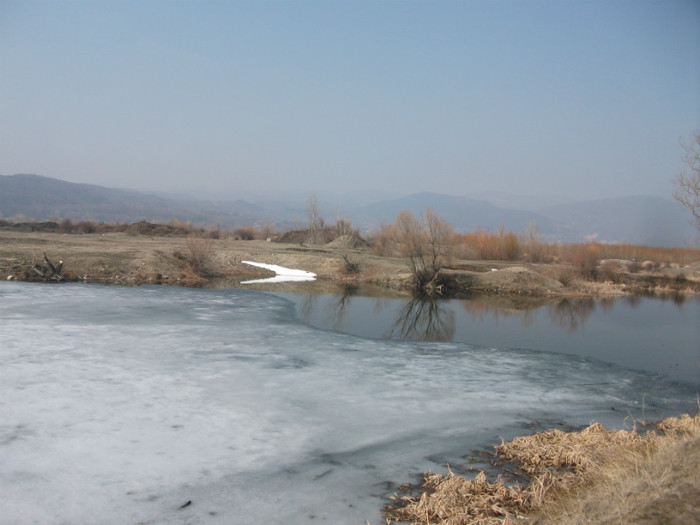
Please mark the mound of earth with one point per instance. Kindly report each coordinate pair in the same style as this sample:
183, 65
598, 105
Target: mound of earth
516, 280
692, 271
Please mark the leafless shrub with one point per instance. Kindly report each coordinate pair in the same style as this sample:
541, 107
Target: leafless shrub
86, 227
426, 246
343, 227
609, 271
316, 222
247, 233
351, 266
510, 247
534, 250
564, 274
66, 226
197, 257
384, 241
214, 232
585, 258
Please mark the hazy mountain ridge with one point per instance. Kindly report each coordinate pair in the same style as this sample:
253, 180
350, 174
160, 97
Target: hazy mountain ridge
463, 213
636, 219
44, 198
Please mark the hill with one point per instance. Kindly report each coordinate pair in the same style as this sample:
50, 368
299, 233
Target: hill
463, 213
637, 220
43, 198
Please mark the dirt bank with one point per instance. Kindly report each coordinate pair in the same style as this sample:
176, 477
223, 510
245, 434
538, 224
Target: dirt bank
126, 259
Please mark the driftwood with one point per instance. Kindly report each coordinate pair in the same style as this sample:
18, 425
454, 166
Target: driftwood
47, 270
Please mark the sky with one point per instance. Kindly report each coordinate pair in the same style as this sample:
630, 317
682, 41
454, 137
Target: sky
584, 99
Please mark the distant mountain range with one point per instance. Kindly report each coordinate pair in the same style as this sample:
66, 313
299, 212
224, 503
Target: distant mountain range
636, 219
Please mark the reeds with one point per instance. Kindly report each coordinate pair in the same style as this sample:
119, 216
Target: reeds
557, 465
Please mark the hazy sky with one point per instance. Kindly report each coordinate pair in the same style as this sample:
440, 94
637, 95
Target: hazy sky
579, 98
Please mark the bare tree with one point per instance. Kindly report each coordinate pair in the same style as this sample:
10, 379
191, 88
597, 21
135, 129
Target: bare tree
688, 181
426, 245
314, 216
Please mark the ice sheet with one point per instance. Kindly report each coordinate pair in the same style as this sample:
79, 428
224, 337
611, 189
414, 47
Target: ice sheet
120, 405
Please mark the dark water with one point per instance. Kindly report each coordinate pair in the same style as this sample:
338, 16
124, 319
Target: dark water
643, 333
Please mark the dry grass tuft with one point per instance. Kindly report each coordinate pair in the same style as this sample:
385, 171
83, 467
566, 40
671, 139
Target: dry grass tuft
576, 451
680, 426
591, 476
461, 501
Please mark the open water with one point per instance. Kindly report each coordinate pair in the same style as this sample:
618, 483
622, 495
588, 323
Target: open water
169, 405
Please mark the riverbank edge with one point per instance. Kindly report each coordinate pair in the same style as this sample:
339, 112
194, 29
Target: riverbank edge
645, 475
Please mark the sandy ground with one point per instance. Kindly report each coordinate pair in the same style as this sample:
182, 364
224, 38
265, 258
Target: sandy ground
125, 259
119, 258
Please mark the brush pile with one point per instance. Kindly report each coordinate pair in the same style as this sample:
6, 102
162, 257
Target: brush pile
45, 271
554, 462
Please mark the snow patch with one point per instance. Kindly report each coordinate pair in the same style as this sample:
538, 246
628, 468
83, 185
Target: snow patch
283, 274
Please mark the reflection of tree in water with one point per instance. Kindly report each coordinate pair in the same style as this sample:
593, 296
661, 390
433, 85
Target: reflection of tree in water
679, 298
338, 308
571, 313
422, 319
481, 309
307, 307
633, 300
607, 303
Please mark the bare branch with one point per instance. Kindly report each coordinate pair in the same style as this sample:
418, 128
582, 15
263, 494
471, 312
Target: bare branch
688, 181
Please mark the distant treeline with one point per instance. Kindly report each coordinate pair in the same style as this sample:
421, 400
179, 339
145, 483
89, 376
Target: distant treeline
173, 229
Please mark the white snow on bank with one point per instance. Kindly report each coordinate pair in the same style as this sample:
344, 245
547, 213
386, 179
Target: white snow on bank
283, 274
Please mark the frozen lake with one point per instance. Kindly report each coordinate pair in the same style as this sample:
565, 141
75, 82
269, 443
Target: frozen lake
120, 405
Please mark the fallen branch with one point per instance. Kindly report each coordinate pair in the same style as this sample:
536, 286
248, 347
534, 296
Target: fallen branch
47, 270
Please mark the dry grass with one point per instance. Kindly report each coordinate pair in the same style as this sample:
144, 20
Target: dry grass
657, 481
592, 476
457, 500
574, 451
658, 254
490, 246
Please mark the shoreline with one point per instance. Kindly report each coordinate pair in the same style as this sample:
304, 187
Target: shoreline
592, 475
